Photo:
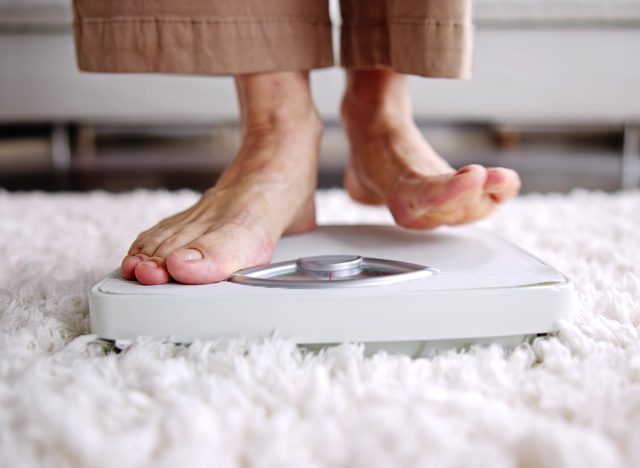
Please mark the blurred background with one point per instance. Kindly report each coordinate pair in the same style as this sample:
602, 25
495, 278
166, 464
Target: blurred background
555, 95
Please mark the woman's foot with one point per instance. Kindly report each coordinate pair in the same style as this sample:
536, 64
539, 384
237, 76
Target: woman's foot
267, 191
391, 162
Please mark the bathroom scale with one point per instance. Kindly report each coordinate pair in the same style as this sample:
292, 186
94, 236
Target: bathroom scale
387, 287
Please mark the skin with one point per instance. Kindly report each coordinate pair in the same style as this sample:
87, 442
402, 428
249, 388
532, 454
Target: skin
391, 162
268, 190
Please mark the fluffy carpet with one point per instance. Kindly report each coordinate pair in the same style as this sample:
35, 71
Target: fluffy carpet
67, 399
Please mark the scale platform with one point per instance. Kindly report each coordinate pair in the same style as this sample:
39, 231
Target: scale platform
388, 287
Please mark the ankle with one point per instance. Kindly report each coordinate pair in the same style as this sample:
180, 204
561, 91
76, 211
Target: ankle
279, 151
377, 97
283, 125
276, 102
359, 115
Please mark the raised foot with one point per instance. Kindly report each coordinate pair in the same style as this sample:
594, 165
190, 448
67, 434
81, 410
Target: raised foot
391, 163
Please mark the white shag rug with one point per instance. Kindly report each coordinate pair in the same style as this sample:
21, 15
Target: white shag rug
67, 399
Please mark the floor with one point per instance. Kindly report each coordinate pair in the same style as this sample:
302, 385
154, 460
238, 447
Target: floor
68, 399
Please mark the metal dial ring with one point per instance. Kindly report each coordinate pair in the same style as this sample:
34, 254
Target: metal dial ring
374, 272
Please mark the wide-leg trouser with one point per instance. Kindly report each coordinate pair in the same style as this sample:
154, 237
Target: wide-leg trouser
211, 37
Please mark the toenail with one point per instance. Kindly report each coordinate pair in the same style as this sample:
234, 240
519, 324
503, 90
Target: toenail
148, 263
189, 254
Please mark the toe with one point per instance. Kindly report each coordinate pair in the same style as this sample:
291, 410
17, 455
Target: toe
502, 184
218, 254
190, 266
178, 240
465, 185
152, 243
147, 243
128, 266
152, 271
445, 199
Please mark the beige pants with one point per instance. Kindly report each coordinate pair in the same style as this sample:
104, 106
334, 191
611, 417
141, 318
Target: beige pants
209, 37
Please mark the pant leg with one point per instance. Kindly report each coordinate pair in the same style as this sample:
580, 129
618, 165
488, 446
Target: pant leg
418, 37
202, 36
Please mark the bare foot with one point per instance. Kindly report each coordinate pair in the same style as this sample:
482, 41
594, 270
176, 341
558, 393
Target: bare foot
267, 191
391, 162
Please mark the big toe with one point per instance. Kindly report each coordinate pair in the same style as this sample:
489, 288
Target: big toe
502, 183
460, 188
216, 255
152, 271
191, 266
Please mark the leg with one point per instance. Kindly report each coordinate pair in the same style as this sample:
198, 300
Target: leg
266, 191
392, 163
269, 187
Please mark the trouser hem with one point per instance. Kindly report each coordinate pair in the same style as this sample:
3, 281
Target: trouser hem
437, 49
217, 46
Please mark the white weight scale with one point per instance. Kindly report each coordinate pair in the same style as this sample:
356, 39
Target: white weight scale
388, 287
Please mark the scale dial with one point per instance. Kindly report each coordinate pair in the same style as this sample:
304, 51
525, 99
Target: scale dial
331, 271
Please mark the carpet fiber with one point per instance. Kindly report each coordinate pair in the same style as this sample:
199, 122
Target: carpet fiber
67, 399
